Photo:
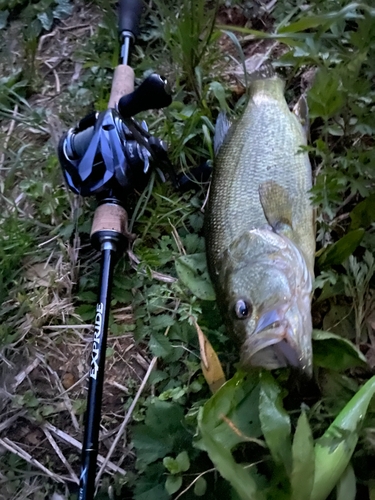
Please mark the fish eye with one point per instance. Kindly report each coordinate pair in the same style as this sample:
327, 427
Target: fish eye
243, 309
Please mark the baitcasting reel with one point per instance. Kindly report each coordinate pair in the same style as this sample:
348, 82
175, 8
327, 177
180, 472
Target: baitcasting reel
109, 153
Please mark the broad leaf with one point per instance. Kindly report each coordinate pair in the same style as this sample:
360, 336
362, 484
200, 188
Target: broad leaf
200, 487
363, 214
162, 432
231, 415
302, 477
239, 478
334, 449
192, 271
338, 252
324, 20
334, 352
46, 18
160, 345
275, 421
346, 487
219, 92
3, 18
173, 484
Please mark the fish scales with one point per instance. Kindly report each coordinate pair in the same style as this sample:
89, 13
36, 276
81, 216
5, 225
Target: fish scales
263, 146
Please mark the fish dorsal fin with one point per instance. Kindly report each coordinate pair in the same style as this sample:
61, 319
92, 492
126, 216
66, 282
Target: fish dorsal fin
301, 110
221, 130
277, 206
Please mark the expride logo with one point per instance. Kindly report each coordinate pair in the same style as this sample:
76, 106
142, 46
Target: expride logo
95, 348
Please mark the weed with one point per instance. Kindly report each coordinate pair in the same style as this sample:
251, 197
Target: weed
40, 225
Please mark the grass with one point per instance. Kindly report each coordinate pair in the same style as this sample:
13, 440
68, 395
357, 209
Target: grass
48, 274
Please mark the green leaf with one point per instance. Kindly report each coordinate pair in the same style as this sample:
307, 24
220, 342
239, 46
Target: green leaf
3, 18
239, 478
192, 271
161, 321
323, 20
158, 492
236, 42
334, 449
338, 252
88, 296
173, 484
346, 487
122, 296
64, 8
237, 400
183, 461
160, 345
334, 352
219, 92
46, 19
326, 96
151, 484
363, 214
162, 431
302, 476
87, 312
171, 465
200, 487
275, 421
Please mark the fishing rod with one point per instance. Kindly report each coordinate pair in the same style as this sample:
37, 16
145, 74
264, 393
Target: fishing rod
108, 155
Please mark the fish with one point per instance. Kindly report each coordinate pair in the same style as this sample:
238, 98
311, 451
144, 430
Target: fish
260, 229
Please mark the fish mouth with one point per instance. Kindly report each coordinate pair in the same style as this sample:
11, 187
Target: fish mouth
273, 345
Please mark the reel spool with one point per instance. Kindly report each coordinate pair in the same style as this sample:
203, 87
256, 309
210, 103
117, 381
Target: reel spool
109, 153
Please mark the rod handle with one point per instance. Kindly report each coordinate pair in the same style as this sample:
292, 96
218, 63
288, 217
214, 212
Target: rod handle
122, 84
130, 15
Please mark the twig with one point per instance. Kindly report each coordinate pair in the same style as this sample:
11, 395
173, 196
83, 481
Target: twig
119, 386
9, 133
126, 419
57, 82
56, 327
24, 373
76, 27
17, 450
347, 200
134, 261
4, 425
60, 455
206, 198
42, 38
177, 239
48, 241
76, 444
193, 482
63, 394
237, 431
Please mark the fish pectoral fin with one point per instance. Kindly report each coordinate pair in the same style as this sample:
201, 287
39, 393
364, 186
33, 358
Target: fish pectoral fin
277, 206
221, 130
301, 110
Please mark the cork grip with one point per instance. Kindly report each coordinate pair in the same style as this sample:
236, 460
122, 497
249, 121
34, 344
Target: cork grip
122, 84
110, 217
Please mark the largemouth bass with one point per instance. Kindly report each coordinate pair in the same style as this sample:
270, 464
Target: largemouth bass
260, 231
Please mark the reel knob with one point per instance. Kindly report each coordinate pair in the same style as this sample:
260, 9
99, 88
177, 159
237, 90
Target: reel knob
153, 93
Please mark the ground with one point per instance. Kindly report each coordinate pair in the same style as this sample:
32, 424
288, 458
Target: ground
53, 74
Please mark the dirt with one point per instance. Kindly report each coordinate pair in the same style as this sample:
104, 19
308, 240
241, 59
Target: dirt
59, 379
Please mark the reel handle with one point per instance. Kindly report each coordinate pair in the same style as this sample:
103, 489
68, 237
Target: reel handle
153, 93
